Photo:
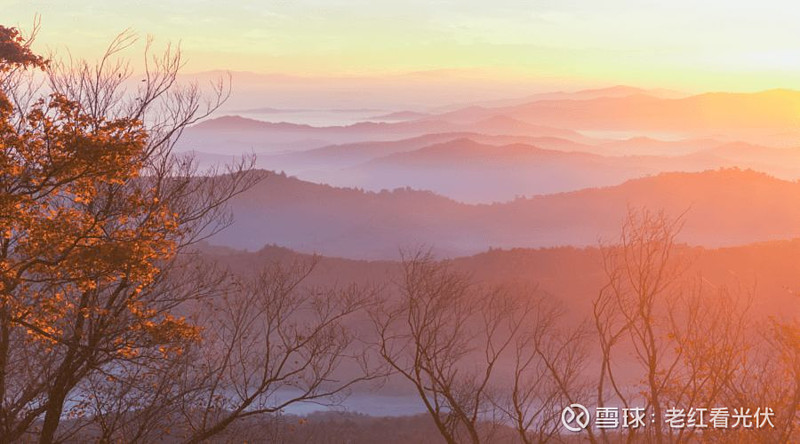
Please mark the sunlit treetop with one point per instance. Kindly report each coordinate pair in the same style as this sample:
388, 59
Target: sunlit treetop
14, 51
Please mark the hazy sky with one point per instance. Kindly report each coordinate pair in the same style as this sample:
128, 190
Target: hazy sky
682, 44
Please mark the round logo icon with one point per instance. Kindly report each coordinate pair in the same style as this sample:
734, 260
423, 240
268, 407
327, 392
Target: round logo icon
575, 417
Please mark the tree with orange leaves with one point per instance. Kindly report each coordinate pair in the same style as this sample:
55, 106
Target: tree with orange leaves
94, 213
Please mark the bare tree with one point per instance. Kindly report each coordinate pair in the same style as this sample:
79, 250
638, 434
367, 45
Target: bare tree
549, 363
686, 341
447, 338
768, 376
273, 342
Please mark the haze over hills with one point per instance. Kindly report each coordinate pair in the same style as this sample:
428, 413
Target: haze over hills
352, 154
571, 275
585, 139
769, 118
399, 116
468, 171
237, 134
472, 172
766, 117
548, 147
501, 168
726, 207
643, 145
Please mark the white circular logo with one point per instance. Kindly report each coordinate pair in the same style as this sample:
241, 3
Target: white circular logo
575, 417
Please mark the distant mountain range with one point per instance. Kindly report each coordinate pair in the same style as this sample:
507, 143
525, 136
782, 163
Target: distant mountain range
236, 134
771, 118
476, 168
726, 207
764, 117
546, 170
549, 143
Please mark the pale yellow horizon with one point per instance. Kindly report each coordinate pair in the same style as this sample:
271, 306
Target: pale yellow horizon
573, 44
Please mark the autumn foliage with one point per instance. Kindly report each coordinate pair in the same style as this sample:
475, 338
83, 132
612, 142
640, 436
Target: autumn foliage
88, 225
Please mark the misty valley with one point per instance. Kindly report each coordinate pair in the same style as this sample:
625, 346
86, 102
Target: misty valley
584, 240
350, 252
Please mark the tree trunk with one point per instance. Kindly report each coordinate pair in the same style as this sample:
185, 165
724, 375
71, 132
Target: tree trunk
52, 416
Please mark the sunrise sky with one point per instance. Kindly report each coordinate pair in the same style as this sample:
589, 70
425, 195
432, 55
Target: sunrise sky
680, 44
